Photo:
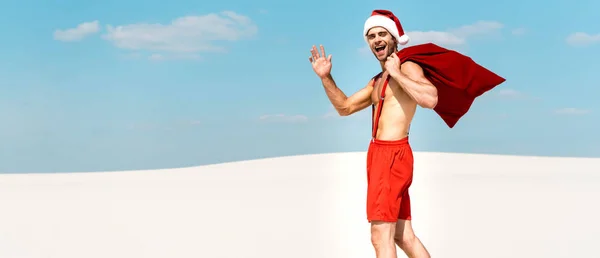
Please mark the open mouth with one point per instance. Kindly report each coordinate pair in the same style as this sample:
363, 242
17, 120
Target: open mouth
380, 50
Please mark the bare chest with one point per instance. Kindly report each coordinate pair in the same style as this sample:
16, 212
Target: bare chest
392, 93
379, 91
377, 87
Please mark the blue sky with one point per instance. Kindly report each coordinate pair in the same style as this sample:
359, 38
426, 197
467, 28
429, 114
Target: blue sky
108, 85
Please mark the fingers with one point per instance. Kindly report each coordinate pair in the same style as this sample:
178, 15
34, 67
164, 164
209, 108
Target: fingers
316, 55
313, 56
315, 52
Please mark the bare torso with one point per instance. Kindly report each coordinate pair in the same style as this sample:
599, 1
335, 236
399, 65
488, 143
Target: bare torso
397, 112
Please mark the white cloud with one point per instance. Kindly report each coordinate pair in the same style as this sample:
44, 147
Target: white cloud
582, 39
519, 31
456, 36
571, 111
438, 37
156, 57
452, 37
331, 114
164, 57
509, 94
163, 125
284, 118
78, 33
186, 35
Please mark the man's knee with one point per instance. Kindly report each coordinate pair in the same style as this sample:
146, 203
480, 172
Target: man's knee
405, 239
382, 234
378, 239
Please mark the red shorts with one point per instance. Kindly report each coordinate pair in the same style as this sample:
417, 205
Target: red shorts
389, 175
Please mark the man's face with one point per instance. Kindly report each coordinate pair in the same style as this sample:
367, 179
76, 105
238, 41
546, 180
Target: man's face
381, 42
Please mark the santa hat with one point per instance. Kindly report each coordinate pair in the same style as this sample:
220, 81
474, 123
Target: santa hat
387, 20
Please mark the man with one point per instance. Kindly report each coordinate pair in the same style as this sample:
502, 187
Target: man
394, 95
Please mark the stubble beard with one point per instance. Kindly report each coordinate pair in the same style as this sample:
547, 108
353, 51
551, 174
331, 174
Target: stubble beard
390, 51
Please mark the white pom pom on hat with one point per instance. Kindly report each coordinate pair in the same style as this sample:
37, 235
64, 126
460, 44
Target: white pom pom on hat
387, 20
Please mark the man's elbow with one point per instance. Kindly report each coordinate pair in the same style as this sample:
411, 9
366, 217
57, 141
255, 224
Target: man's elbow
430, 102
344, 111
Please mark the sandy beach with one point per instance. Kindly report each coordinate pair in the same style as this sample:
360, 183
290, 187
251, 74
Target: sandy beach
464, 205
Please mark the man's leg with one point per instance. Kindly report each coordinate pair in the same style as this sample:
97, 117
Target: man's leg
389, 173
406, 239
382, 237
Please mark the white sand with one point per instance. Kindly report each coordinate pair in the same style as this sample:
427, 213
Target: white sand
479, 206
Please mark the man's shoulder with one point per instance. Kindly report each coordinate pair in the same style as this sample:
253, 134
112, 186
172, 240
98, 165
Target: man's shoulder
410, 67
374, 79
377, 76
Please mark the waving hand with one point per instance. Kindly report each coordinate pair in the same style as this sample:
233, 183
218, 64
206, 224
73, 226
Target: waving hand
320, 64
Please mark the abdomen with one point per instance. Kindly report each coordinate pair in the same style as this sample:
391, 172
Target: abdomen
395, 120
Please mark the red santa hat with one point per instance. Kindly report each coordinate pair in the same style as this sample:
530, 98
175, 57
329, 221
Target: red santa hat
387, 20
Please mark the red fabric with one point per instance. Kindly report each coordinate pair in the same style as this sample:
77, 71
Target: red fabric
458, 79
389, 177
390, 15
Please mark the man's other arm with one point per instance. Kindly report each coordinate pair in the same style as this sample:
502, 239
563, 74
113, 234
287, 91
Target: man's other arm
412, 80
344, 105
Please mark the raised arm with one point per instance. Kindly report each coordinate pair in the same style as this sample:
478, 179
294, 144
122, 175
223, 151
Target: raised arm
411, 79
344, 105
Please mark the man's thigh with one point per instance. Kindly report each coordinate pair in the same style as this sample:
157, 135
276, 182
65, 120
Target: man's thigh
383, 231
403, 230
